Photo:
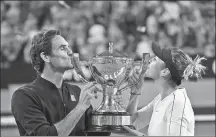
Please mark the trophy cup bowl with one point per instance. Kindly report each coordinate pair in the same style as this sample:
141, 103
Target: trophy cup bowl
110, 69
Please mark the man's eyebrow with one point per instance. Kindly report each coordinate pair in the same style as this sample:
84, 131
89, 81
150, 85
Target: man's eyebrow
63, 45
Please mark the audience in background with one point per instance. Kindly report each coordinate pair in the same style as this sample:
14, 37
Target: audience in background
88, 26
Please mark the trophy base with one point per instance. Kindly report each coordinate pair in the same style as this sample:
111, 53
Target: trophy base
109, 128
110, 122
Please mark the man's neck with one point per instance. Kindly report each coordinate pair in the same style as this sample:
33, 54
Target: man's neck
55, 77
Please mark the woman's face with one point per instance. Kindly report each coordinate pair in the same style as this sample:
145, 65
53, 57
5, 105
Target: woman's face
155, 67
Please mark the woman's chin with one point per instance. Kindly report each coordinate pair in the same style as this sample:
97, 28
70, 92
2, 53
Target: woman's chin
149, 76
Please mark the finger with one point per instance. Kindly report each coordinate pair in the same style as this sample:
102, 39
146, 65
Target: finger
130, 80
118, 93
91, 88
86, 89
94, 90
118, 98
134, 79
136, 75
137, 71
145, 67
134, 132
91, 84
88, 86
99, 87
142, 76
95, 94
90, 95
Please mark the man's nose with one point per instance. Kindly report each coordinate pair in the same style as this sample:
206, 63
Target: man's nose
70, 53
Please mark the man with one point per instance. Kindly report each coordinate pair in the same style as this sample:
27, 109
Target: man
170, 113
48, 105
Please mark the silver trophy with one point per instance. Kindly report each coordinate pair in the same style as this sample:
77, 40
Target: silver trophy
110, 69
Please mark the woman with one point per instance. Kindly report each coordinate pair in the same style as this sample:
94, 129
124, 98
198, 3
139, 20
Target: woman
170, 112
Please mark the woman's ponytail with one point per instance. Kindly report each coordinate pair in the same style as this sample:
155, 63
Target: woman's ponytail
195, 69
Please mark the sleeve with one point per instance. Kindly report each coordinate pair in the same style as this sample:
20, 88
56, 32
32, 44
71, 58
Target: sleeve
26, 110
144, 116
176, 120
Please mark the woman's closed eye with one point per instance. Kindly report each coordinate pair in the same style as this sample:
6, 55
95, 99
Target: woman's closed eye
152, 59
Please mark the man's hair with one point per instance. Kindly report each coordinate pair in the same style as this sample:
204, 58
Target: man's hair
41, 42
187, 68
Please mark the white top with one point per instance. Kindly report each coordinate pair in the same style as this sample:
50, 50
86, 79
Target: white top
172, 116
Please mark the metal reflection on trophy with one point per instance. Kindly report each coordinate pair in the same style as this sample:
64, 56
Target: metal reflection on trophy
110, 69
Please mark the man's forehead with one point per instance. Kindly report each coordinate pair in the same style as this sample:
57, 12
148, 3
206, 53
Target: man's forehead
58, 40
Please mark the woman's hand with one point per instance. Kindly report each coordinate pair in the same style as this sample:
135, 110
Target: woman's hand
138, 80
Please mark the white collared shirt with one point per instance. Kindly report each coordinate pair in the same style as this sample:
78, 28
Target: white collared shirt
171, 116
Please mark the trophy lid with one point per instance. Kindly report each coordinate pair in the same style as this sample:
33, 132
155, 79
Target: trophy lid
111, 52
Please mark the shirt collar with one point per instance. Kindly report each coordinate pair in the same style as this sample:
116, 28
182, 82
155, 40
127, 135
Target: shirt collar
45, 83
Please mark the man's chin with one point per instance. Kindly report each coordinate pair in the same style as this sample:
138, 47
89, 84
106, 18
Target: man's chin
69, 68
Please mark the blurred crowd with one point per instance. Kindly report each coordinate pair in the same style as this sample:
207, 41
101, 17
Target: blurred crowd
89, 26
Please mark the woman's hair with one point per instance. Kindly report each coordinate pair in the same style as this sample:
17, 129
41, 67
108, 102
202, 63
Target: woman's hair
41, 42
188, 68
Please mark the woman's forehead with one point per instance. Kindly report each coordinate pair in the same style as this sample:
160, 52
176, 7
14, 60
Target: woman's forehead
158, 59
154, 57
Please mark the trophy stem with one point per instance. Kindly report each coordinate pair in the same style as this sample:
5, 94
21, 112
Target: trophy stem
108, 103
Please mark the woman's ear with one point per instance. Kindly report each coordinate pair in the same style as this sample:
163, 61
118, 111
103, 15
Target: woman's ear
45, 57
165, 73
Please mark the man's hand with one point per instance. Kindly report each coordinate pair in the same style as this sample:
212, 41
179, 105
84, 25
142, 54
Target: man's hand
87, 94
133, 132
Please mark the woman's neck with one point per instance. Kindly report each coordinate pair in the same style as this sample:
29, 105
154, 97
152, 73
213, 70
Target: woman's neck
165, 89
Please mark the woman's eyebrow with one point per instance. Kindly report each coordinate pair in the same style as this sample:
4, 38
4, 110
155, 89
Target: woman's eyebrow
153, 57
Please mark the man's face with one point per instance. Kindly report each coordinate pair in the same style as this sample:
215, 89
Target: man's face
155, 67
59, 57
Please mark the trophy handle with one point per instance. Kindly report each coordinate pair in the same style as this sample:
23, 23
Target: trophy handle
77, 66
142, 70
